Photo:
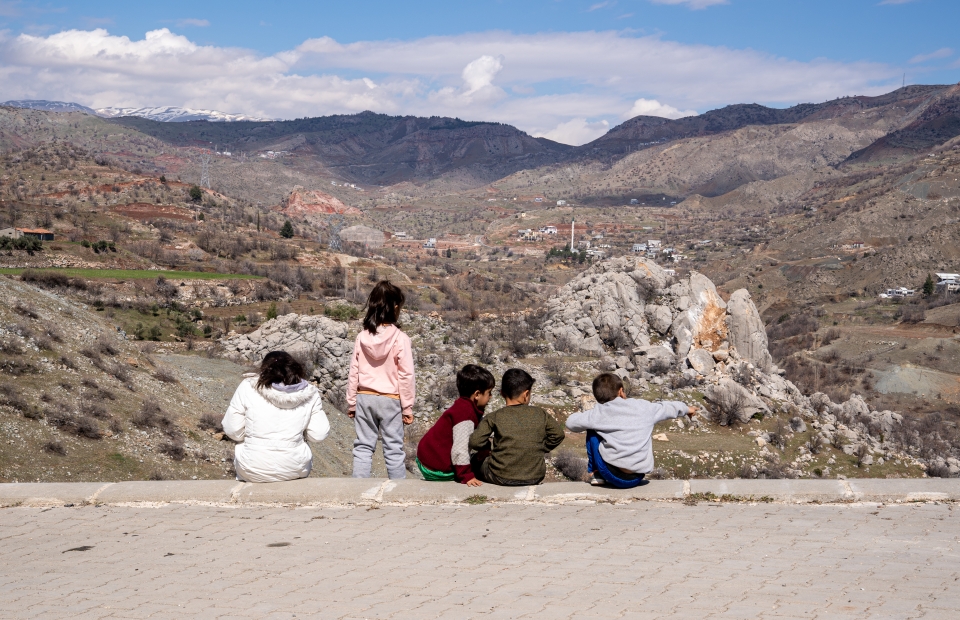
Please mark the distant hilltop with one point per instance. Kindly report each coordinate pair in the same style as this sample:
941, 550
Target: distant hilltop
163, 114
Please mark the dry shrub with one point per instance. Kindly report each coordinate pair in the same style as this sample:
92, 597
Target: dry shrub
832, 334
54, 447
556, 369
730, 408
174, 449
11, 346
165, 375
151, 415
815, 444
26, 309
96, 410
210, 422
81, 426
486, 351
570, 465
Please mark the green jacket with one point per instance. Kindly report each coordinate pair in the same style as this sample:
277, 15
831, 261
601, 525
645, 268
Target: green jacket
522, 435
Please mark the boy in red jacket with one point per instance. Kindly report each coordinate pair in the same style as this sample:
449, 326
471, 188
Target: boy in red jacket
443, 454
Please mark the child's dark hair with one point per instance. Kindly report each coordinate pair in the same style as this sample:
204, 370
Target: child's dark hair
472, 378
383, 306
280, 367
606, 387
515, 382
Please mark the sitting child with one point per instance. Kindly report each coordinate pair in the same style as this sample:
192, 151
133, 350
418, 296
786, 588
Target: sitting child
443, 454
521, 435
619, 430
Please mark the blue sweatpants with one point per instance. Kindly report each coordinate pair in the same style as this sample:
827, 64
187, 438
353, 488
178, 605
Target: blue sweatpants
597, 465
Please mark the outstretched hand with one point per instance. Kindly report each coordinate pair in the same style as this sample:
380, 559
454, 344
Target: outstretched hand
473, 482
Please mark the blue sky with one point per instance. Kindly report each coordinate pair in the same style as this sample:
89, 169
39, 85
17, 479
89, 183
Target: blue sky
561, 68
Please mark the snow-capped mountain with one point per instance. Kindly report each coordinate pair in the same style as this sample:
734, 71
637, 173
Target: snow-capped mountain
49, 106
173, 114
163, 114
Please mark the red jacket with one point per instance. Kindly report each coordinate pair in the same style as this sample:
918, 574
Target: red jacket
444, 447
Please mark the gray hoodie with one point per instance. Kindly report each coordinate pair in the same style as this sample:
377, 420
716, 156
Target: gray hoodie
625, 427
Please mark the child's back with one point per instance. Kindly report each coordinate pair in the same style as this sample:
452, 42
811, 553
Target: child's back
522, 435
625, 426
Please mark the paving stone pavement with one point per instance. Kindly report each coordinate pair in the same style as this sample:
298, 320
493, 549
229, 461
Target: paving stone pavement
634, 561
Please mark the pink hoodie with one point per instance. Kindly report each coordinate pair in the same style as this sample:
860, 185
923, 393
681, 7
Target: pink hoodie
382, 362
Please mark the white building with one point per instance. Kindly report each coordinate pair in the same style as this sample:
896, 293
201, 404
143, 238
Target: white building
400, 235
549, 230
10, 232
654, 243
561, 203
949, 282
430, 243
640, 248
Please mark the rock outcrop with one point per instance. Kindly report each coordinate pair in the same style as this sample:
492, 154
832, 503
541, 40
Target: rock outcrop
302, 203
319, 342
630, 303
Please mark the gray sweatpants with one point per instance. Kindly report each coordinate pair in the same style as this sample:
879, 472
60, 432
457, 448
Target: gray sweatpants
378, 415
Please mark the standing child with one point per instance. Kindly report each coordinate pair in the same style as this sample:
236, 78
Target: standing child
619, 432
521, 435
443, 453
381, 386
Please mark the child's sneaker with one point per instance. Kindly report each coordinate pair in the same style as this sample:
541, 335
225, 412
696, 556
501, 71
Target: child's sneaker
596, 480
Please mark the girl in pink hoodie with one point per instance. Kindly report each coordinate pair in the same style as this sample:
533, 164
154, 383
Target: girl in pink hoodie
381, 386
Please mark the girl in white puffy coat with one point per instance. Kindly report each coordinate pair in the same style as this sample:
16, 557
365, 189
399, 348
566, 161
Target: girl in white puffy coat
268, 416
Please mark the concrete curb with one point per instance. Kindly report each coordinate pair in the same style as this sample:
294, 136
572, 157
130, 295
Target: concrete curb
353, 491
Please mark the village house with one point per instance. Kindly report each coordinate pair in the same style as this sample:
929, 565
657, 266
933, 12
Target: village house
548, 230
400, 235
430, 243
561, 203
948, 282
640, 248
38, 233
13, 233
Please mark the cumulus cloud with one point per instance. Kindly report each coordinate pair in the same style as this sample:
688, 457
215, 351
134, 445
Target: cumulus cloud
943, 52
546, 84
652, 107
577, 131
480, 73
696, 4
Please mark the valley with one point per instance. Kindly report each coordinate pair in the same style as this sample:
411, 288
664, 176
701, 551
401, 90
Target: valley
813, 211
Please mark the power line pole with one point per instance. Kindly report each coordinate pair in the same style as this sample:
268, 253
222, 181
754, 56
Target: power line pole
205, 169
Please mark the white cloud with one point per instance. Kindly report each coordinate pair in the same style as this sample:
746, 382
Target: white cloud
943, 52
896, 2
190, 21
480, 73
696, 4
652, 107
543, 83
599, 5
577, 131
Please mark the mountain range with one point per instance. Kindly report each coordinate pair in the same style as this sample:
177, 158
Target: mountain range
163, 114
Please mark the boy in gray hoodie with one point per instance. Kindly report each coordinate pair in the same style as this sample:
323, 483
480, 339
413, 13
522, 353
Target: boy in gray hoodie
619, 432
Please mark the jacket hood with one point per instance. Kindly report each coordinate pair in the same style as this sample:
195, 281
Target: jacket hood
378, 346
290, 397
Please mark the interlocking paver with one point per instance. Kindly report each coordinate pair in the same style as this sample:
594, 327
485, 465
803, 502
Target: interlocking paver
647, 560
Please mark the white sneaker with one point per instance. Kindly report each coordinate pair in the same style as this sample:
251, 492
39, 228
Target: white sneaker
596, 480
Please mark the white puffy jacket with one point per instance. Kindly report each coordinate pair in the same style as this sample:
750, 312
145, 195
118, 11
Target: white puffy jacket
268, 424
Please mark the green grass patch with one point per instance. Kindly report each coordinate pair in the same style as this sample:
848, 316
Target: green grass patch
476, 500
133, 274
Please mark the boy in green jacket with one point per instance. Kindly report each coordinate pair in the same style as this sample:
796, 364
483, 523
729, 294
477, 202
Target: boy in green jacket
518, 435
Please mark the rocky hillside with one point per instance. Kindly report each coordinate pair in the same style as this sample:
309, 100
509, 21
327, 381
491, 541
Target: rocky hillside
677, 339
80, 402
